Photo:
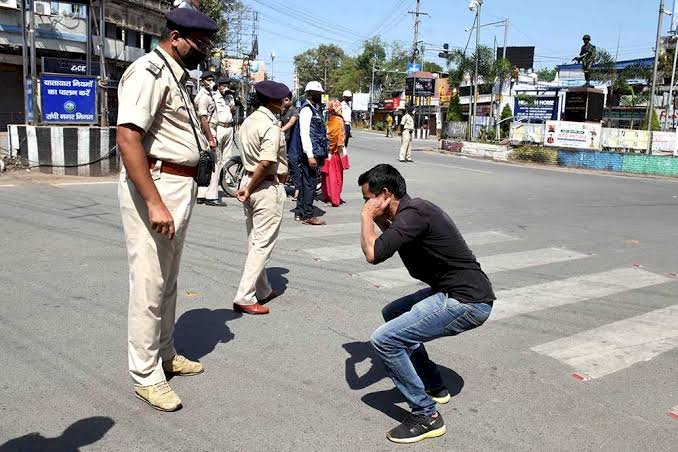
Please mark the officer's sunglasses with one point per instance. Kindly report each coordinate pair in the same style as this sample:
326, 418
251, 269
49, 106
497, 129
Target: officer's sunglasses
204, 45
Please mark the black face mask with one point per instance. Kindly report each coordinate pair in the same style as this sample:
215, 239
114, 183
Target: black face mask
316, 98
192, 59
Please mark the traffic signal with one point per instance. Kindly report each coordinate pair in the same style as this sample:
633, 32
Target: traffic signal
445, 52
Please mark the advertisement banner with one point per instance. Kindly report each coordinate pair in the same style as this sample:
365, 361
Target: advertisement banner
624, 139
392, 103
425, 86
544, 108
664, 141
443, 91
575, 135
68, 99
361, 101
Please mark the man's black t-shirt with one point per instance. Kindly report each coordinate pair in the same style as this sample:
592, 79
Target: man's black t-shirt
434, 251
286, 116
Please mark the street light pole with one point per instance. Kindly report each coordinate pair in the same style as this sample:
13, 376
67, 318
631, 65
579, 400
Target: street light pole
374, 61
34, 69
24, 54
654, 78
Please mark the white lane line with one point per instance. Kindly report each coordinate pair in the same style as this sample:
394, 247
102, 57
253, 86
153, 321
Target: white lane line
64, 184
310, 232
344, 252
399, 277
7, 185
673, 412
610, 348
455, 167
524, 300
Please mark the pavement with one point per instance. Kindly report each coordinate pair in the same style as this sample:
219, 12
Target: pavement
580, 352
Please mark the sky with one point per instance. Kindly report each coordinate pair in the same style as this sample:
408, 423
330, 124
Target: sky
626, 28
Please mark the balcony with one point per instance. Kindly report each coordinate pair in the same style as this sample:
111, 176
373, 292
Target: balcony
117, 50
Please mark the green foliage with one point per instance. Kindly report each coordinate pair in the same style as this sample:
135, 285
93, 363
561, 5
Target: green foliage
217, 10
655, 122
529, 100
321, 64
535, 154
506, 113
454, 111
546, 74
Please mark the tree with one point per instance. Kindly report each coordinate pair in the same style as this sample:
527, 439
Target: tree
506, 113
217, 9
655, 122
546, 74
321, 64
454, 113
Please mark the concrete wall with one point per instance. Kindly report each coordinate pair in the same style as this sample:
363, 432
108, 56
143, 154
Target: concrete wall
75, 151
660, 165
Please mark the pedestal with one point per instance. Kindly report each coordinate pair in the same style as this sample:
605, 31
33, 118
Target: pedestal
584, 105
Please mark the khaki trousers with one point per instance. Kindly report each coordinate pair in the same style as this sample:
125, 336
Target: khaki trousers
264, 212
153, 269
406, 145
224, 136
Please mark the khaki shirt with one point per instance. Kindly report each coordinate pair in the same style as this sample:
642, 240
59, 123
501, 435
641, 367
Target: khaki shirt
262, 139
213, 105
408, 122
149, 98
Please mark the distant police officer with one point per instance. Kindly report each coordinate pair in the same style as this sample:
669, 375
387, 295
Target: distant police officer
159, 139
406, 138
225, 109
262, 193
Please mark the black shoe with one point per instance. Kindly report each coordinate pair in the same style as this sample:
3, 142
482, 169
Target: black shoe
201, 200
416, 428
214, 203
298, 218
402, 161
441, 396
409, 161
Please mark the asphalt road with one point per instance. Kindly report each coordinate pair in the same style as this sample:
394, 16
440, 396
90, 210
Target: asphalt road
580, 353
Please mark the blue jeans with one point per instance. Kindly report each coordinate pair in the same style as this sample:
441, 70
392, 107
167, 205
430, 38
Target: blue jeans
411, 321
309, 181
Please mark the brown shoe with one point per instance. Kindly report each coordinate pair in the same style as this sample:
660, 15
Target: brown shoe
182, 366
315, 221
273, 295
254, 309
159, 396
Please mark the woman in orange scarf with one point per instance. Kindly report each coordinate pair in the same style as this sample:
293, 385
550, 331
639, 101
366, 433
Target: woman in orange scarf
333, 169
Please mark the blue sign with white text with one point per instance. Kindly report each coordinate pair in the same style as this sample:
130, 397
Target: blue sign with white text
28, 98
68, 100
413, 67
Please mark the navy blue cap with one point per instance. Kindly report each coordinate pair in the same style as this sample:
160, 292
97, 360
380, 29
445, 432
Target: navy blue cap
271, 89
224, 81
206, 74
187, 19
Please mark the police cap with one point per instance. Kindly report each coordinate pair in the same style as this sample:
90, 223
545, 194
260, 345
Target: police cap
207, 74
271, 89
186, 19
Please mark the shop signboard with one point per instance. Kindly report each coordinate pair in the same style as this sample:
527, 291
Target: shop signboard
575, 135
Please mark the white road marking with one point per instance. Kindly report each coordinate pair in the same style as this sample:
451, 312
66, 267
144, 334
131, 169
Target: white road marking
310, 232
610, 348
399, 277
524, 300
7, 185
64, 184
455, 167
344, 252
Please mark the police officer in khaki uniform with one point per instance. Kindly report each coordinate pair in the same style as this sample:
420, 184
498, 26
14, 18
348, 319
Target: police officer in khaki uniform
262, 193
159, 139
214, 116
406, 138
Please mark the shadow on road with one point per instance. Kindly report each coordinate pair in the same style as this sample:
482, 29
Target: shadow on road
81, 433
385, 401
276, 278
199, 331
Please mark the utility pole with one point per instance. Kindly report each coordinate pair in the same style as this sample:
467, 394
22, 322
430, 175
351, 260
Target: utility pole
479, 4
103, 75
501, 86
34, 69
670, 110
415, 50
24, 55
654, 78
374, 62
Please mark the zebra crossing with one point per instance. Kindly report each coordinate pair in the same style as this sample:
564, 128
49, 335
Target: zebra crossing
590, 354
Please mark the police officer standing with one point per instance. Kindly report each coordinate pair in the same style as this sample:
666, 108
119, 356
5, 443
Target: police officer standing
406, 138
159, 140
262, 193
208, 112
225, 109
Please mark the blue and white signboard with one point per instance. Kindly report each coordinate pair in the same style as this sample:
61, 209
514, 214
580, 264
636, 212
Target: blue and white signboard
541, 108
28, 98
413, 67
68, 99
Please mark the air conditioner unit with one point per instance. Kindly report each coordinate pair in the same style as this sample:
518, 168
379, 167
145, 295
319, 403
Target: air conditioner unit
43, 8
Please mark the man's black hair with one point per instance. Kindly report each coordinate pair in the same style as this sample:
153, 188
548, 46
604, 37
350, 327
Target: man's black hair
384, 176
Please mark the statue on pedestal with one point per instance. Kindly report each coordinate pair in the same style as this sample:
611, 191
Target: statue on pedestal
586, 57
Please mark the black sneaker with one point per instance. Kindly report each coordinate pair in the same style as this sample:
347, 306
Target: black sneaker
441, 396
416, 428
